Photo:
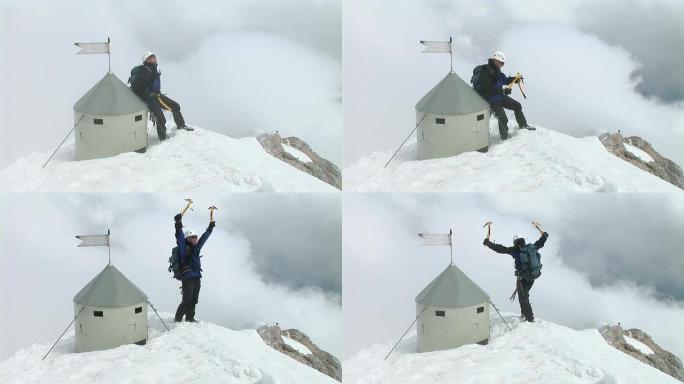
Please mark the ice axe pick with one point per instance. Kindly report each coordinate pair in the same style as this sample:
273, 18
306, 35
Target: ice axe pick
211, 212
489, 229
187, 206
538, 226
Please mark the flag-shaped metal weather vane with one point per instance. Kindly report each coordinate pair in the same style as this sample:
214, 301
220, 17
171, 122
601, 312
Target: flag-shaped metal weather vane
439, 239
436, 46
97, 241
96, 49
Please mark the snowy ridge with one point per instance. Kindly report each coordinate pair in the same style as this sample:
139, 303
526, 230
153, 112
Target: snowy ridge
531, 161
201, 160
189, 353
539, 352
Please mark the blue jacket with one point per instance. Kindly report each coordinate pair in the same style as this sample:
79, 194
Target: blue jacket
190, 255
147, 82
515, 251
492, 81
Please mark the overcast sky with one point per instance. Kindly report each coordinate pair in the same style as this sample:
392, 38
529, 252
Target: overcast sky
272, 257
589, 66
238, 67
609, 258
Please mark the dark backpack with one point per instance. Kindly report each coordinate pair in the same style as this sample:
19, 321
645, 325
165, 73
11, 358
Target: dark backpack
134, 74
475, 79
530, 262
175, 265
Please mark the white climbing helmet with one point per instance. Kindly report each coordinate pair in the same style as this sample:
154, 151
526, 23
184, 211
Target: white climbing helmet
498, 55
189, 233
147, 55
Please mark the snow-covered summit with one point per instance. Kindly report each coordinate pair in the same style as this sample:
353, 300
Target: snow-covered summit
188, 353
539, 352
531, 161
189, 161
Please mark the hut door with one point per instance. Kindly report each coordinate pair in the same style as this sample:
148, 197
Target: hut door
132, 328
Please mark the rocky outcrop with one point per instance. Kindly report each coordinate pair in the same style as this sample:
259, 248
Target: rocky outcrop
662, 167
659, 359
319, 359
318, 167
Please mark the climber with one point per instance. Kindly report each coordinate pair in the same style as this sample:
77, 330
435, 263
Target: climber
190, 274
145, 82
489, 82
527, 266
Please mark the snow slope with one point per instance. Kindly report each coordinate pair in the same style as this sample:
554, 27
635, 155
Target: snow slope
189, 353
531, 161
189, 161
539, 352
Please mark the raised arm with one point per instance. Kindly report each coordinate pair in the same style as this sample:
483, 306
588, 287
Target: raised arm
180, 238
498, 248
206, 234
542, 240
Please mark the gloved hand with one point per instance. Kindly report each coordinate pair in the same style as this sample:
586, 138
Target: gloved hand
178, 217
212, 224
507, 91
485, 242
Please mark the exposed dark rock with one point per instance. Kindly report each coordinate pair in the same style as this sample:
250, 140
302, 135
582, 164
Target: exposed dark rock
317, 167
319, 359
660, 359
662, 167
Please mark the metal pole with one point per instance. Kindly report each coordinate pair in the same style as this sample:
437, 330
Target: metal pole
109, 247
109, 55
451, 56
497, 311
67, 136
451, 247
60, 336
402, 336
160, 319
407, 137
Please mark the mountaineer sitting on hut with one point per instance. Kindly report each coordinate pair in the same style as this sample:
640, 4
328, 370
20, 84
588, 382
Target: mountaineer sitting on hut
146, 83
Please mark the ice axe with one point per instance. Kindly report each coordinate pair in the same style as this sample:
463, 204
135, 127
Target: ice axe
187, 206
489, 228
536, 225
521, 88
517, 80
211, 212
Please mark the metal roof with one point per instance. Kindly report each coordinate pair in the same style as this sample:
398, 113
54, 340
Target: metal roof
110, 289
452, 288
452, 96
110, 96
